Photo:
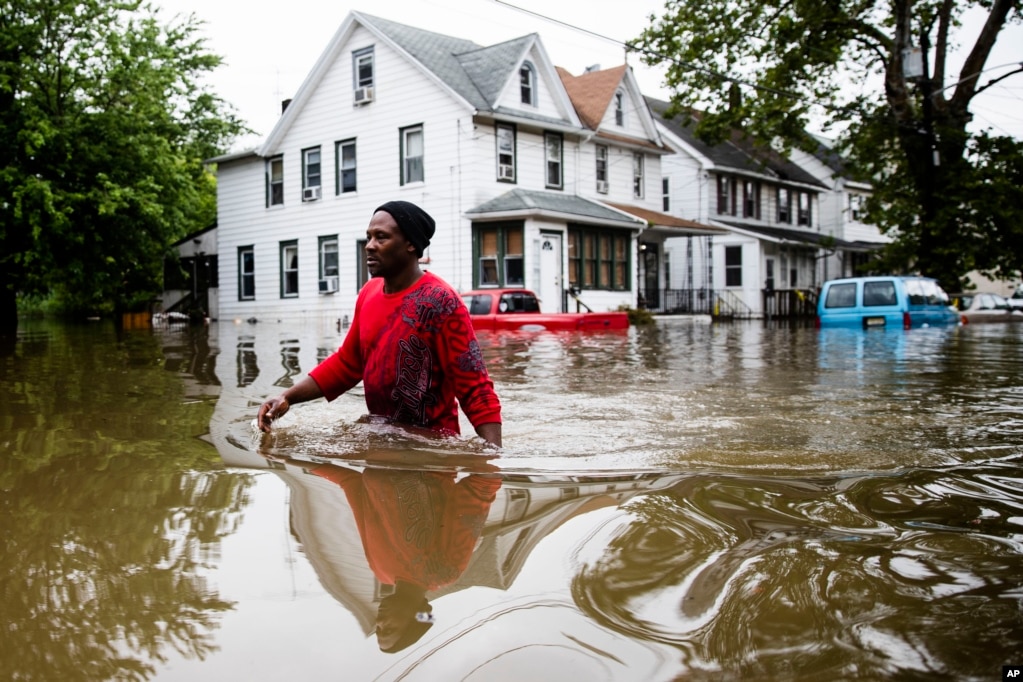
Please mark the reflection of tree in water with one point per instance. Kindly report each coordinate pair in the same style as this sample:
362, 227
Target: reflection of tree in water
90, 594
113, 507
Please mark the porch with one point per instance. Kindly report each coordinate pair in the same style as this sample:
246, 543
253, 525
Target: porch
724, 304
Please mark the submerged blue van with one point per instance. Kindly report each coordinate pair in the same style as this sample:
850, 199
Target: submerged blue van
884, 301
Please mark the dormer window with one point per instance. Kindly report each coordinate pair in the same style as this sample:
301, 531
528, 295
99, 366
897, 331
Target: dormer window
620, 109
527, 84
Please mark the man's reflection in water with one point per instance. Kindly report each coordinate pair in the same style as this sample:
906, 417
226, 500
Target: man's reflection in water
418, 529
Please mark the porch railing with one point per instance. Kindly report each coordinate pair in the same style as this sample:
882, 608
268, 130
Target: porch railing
726, 304
789, 303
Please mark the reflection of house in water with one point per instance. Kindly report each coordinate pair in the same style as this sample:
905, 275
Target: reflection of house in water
528, 507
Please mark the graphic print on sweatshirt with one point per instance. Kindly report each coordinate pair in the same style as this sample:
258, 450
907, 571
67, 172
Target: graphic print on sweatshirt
423, 313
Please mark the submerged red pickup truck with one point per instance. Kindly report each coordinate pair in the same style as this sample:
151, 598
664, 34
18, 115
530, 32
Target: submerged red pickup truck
501, 309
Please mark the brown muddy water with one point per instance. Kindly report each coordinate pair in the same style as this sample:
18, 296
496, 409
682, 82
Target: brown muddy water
682, 502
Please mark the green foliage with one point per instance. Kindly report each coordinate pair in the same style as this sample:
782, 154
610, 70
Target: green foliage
108, 124
638, 316
793, 62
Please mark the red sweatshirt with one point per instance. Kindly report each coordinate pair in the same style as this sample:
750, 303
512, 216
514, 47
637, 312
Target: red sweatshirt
417, 356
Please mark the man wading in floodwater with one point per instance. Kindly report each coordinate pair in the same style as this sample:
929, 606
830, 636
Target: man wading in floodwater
411, 343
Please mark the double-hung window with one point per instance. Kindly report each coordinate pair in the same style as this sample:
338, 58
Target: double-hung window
312, 173
750, 199
665, 194
362, 68
275, 181
856, 207
733, 266
527, 84
726, 195
499, 252
602, 183
804, 214
344, 157
637, 175
506, 152
246, 273
620, 109
289, 269
328, 264
412, 151
784, 205
553, 160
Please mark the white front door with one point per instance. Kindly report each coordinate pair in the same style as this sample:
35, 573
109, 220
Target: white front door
552, 274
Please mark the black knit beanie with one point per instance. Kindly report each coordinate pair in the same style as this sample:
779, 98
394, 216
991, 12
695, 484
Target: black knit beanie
415, 223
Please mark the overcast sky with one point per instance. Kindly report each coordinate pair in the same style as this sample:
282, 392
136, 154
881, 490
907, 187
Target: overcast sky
269, 51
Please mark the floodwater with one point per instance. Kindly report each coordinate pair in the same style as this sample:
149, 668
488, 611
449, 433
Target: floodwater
686, 501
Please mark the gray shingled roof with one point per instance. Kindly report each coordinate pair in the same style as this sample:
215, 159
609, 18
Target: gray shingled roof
530, 201
737, 153
475, 72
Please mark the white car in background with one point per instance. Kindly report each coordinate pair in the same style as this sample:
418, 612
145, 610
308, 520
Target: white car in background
1016, 300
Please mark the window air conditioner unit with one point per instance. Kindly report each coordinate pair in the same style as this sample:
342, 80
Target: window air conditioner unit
363, 95
311, 193
505, 172
328, 285
602, 186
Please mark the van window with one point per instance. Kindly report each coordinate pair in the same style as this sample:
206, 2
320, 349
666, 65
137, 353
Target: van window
879, 293
915, 291
841, 296
934, 293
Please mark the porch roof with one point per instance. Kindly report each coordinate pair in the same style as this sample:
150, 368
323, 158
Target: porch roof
522, 203
782, 235
666, 224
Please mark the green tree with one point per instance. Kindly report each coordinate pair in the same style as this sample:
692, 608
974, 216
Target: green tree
106, 122
770, 67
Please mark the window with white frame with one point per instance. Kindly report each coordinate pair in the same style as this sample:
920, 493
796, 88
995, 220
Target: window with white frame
361, 269
527, 84
362, 68
412, 150
602, 183
620, 109
275, 181
751, 199
506, 152
726, 195
311, 170
289, 269
665, 194
328, 256
246, 273
553, 159
733, 266
856, 207
637, 175
804, 214
344, 158
784, 198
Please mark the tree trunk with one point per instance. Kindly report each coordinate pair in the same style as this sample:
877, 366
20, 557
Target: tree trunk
8, 311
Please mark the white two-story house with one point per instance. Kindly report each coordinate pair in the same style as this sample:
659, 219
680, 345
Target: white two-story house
779, 239
486, 139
